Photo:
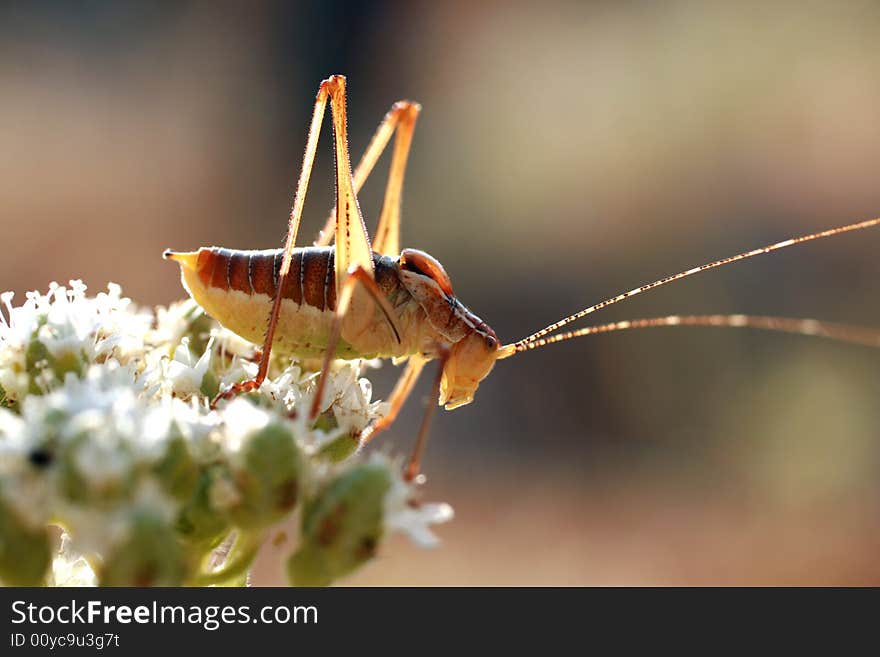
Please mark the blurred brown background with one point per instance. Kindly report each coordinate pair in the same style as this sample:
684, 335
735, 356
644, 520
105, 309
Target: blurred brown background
565, 153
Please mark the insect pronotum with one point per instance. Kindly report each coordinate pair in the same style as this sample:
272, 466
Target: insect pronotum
363, 300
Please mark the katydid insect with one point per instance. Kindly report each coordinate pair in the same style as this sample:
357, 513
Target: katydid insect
363, 300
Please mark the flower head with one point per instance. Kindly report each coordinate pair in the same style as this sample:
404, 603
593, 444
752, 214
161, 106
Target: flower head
106, 429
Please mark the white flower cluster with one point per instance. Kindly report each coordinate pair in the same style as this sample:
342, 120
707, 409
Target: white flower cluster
106, 430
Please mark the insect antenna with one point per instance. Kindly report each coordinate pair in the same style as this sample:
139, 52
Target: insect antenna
813, 327
537, 339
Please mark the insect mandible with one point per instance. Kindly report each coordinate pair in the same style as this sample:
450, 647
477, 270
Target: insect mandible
361, 300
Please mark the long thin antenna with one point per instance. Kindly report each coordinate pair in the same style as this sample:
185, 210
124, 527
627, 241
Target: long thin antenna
813, 327
695, 270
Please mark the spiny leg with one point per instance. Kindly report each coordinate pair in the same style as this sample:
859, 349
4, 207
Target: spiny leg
811, 327
415, 461
352, 241
520, 344
398, 398
290, 242
354, 256
358, 275
387, 237
402, 118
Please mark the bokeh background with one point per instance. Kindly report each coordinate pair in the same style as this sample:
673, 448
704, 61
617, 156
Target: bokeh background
566, 152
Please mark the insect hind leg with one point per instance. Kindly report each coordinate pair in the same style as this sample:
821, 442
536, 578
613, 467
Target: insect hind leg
401, 118
353, 250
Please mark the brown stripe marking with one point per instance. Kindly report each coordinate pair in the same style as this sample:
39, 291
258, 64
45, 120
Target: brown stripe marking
311, 279
292, 289
291, 285
205, 265
238, 272
219, 275
262, 278
315, 264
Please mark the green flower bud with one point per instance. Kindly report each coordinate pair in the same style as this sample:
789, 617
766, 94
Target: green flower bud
210, 384
325, 422
68, 362
309, 567
341, 526
198, 521
83, 488
149, 556
176, 470
339, 449
25, 553
36, 358
42, 453
269, 482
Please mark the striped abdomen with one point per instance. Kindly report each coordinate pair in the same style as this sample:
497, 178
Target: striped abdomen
311, 279
237, 289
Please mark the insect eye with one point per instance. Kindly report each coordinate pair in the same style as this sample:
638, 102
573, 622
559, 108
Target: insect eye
491, 343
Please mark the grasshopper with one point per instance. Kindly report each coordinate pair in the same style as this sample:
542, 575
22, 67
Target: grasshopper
357, 299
